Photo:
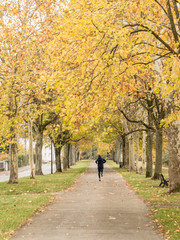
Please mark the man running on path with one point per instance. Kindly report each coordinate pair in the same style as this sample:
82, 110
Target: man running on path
100, 162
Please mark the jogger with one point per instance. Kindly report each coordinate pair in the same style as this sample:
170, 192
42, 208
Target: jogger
100, 162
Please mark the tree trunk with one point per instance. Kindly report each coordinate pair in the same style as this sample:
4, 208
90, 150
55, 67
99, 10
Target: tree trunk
149, 154
77, 156
137, 152
174, 157
115, 152
14, 162
149, 165
73, 154
118, 151
113, 156
66, 157
120, 154
126, 152
158, 164
143, 153
131, 153
123, 150
25, 152
70, 154
31, 160
38, 148
58, 158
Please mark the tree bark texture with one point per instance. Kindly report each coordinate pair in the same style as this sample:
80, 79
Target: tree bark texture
131, 153
58, 159
149, 165
149, 154
113, 156
137, 152
13, 154
31, 160
123, 150
118, 151
73, 155
126, 152
14, 163
174, 157
38, 148
66, 157
158, 164
143, 152
78, 156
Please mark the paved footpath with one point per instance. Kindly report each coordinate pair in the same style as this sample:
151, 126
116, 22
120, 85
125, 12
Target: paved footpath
93, 210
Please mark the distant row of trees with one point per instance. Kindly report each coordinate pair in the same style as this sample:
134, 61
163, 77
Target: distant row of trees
33, 96
73, 70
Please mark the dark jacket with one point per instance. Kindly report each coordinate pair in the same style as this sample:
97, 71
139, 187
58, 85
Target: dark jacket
100, 162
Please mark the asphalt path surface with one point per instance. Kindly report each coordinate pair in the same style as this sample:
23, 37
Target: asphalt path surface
25, 171
93, 210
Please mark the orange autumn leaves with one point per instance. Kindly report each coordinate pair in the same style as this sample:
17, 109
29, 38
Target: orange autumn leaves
85, 54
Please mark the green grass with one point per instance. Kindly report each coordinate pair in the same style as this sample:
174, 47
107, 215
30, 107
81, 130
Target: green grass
169, 219
47, 183
18, 202
14, 210
165, 206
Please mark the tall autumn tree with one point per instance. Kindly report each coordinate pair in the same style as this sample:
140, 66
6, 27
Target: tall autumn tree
12, 55
123, 41
158, 28
38, 94
21, 22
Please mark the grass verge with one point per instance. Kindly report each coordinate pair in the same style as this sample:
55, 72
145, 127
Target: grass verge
165, 207
18, 202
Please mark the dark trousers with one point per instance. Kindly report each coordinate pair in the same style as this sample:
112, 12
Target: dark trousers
100, 172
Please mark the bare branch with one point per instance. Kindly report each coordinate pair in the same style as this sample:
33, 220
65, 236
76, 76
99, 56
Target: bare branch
136, 130
176, 12
171, 19
77, 140
151, 45
161, 6
154, 60
147, 29
99, 42
113, 50
135, 121
118, 130
96, 27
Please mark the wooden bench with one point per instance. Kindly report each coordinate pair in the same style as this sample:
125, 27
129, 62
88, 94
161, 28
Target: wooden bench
164, 182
